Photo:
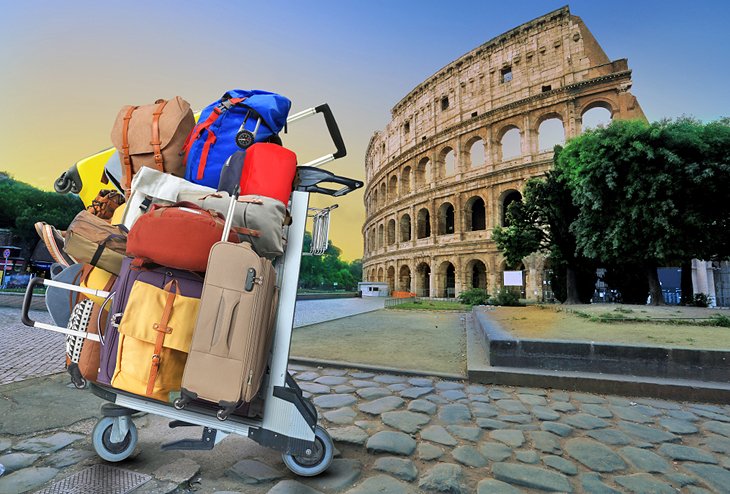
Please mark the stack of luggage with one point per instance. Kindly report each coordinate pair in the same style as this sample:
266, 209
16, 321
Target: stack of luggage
184, 252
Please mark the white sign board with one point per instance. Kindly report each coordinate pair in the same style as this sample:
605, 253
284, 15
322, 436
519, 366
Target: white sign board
513, 278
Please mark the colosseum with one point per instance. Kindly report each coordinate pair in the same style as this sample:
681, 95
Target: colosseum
461, 145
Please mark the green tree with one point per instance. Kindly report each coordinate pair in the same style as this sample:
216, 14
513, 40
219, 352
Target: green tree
317, 272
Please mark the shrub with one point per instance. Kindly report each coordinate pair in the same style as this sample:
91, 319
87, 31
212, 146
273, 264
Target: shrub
720, 320
700, 300
474, 296
505, 297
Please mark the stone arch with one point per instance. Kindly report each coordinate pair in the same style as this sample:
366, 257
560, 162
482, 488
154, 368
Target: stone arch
391, 279
506, 198
374, 200
476, 214
405, 228
391, 232
447, 162
423, 280
404, 279
393, 188
550, 132
423, 223
423, 173
371, 243
477, 152
595, 116
382, 194
380, 274
447, 280
380, 236
405, 181
510, 143
476, 274
446, 219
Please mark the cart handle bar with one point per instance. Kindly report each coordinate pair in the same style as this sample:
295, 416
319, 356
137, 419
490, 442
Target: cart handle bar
333, 129
37, 281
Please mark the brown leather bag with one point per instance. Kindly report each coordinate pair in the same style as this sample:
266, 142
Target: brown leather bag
106, 202
152, 135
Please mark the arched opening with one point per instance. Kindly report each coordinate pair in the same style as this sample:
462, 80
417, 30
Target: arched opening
405, 228
511, 144
476, 214
380, 275
406, 180
423, 173
508, 198
446, 219
550, 133
391, 279
477, 153
374, 200
423, 280
448, 162
404, 279
393, 188
476, 272
447, 273
423, 224
598, 115
391, 232
372, 239
380, 236
382, 194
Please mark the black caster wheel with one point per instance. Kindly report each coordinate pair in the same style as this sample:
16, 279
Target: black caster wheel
318, 459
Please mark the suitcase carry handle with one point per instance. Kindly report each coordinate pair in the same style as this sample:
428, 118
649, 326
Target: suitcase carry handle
310, 178
333, 129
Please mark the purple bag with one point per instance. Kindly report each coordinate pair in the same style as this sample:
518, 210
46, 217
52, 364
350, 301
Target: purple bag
191, 285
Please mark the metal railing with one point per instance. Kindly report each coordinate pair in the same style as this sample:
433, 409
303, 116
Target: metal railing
392, 302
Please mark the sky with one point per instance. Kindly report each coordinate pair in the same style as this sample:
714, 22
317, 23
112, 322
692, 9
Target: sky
66, 68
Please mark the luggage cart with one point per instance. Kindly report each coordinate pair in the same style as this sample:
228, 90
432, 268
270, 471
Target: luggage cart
289, 420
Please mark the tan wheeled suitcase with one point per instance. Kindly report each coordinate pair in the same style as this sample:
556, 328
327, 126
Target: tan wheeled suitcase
233, 332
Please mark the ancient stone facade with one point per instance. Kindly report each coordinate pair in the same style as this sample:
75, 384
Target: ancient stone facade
461, 145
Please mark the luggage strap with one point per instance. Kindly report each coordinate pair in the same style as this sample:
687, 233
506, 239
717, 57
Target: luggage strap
242, 230
162, 329
156, 142
222, 107
126, 159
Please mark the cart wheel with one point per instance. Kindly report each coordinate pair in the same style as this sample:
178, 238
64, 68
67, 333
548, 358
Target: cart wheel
105, 448
80, 384
318, 461
222, 414
179, 403
63, 184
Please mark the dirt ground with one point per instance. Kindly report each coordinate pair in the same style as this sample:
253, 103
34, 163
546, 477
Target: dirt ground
560, 322
417, 340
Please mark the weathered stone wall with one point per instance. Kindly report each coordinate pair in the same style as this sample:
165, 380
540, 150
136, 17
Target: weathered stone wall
428, 160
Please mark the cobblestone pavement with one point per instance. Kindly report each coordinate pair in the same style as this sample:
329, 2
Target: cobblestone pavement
28, 352
405, 434
315, 311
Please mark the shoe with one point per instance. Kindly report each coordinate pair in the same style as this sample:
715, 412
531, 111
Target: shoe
54, 243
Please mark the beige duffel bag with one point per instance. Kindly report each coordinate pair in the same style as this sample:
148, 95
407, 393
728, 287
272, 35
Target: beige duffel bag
90, 239
153, 136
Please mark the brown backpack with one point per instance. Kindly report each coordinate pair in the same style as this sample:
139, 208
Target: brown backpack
152, 135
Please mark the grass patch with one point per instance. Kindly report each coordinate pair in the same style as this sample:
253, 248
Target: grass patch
432, 305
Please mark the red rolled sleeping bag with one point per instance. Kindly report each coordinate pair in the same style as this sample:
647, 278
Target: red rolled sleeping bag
265, 169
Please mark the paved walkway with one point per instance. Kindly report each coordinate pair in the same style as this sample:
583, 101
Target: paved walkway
315, 311
402, 434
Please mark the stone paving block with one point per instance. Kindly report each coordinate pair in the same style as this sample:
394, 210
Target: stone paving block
587, 398
363, 384
585, 421
26, 479
447, 385
596, 410
416, 392
712, 415
454, 414
437, 434
421, 382
641, 483
531, 477
307, 376
491, 423
247, 471
509, 437
48, 444
397, 443
369, 426
717, 427
453, 394
492, 486
511, 406
610, 436
697, 490
427, 451
683, 415
401, 468
67, 457
314, 388
657, 403
184, 469
17, 461
646, 433
631, 414
591, 483
479, 398
498, 394
405, 421
557, 395
645, 460
560, 464
4, 444
334, 372
397, 388
469, 456
495, 451
382, 405
344, 415
677, 426
389, 379
362, 375
444, 477
331, 380
351, 434
562, 406
476, 389
292, 487
343, 389
373, 393
717, 444
544, 413
532, 391
527, 456
382, 484
680, 479
714, 476
341, 474
532, 400
594, 455
520, 418
422, 406
484, 410
679, 452
545, 442
467, 433
334, 401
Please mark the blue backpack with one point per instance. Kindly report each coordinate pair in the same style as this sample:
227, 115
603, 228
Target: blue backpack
230, 124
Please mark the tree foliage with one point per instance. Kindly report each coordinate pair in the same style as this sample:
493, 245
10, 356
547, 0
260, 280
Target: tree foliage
328, 271
22, 205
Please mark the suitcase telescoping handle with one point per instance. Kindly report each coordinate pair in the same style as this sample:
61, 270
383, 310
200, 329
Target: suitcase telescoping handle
28, 298
333, 129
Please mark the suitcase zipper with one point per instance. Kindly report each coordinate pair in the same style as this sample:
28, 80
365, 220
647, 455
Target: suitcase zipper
254, 340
